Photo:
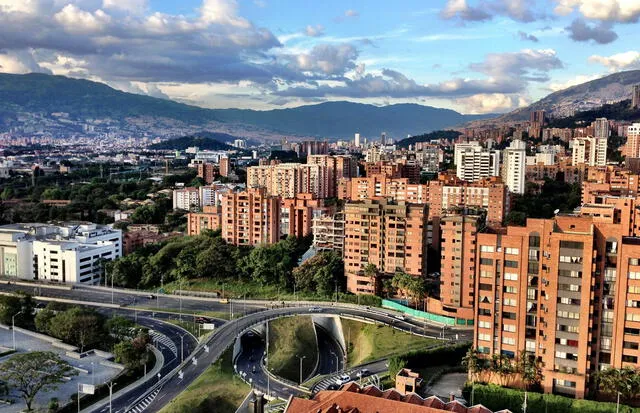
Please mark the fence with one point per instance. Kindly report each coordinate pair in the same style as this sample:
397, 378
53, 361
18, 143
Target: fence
442, 319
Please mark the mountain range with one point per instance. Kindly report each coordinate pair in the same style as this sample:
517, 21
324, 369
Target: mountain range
35, 103
583, 97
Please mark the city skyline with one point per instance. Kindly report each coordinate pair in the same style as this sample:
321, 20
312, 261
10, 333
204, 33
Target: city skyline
475, 57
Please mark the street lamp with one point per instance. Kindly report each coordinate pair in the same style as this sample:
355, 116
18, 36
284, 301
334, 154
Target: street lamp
337, 361
110, 385
182, 347
13, 328
301, 358
618, 403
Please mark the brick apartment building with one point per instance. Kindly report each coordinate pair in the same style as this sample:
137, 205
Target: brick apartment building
210, 218
208, 172
566, 290
251, 217
390, 235
296, 214
288, 179
338, 167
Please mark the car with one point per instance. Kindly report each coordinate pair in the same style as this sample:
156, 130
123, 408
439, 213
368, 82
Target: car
151, 296
315, 310
363, 373
400, 317
202, 320
224, 301
343, 379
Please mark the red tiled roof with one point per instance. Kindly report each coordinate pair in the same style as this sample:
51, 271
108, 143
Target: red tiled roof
353, 399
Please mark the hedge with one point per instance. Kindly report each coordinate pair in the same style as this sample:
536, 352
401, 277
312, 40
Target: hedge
497, 398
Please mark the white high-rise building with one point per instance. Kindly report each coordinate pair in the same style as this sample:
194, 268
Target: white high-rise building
474, 163
589, 150
357, 140
462, 147
514, 166
601, 128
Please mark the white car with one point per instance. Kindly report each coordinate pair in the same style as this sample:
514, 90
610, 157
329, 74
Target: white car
344, 379
315, 310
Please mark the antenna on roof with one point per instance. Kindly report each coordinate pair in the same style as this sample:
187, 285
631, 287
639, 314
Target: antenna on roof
556, 212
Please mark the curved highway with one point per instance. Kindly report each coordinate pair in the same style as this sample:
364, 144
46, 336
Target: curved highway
172, 383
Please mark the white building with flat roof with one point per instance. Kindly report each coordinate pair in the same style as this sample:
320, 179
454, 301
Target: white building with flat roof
65, 253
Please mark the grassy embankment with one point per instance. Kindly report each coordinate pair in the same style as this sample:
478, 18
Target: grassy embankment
290, 337
217, 390
368, 342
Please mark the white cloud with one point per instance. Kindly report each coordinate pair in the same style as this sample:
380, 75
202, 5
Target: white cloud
576, 80
490, 103
75, 20
20, 62
328, 59
20, 6
129, 6
223, 12
314, 31
622, 11
462, 10
620, 61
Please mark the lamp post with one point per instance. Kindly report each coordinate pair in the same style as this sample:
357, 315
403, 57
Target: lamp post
112, 288
337, 361
110, 394
182, 347
301, 358
618, 403
13, 328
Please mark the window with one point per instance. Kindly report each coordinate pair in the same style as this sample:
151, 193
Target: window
568, 329
629, 359
530, 346
510, 302
569, 301
487, 248
511, 276
633, 289
512, 251
570, 273
484, 337
632, 317
509, 340
486, 274
484, 324
509, 327
510, 264
509, 316
630, 345
510, 290
569, 287
486, 261
567, 342
634, 261
571, 260
634, 275
534, 241
485, 287
572, 244
633, 303
565, 383
568, 314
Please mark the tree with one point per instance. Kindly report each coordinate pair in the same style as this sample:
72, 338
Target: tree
530, 369
43, 320
395, 365
371, 272
472, 363
133, 353
30, 373
625, 381
20, 306
320, 274
120, 328
80, 327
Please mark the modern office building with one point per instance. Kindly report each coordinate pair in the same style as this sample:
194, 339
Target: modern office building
389, 235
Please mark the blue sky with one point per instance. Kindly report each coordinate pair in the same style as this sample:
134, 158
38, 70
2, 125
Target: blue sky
474, 56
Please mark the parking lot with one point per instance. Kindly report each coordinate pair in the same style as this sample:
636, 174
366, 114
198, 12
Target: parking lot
90, 371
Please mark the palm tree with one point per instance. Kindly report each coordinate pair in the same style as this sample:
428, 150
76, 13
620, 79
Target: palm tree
625, 381
371, 271
473, 364
530, 369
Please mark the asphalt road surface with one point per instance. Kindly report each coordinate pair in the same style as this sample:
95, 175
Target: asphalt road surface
173, 384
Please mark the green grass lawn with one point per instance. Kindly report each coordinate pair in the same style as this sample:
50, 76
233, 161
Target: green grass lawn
367, 342
217, 390
289, 337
